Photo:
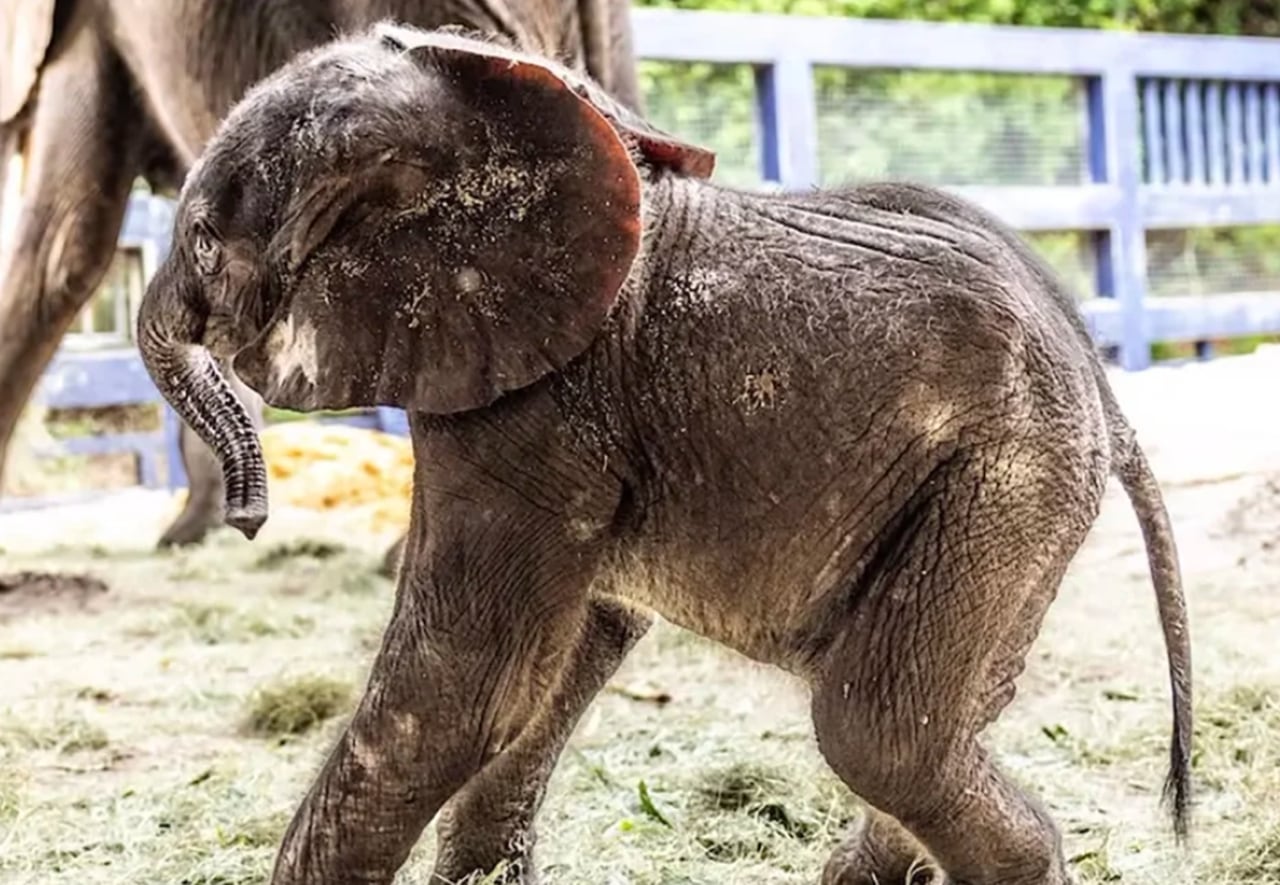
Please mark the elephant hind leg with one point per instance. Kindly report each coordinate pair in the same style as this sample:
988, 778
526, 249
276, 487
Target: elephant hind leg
84, 144
903, 692
880, 852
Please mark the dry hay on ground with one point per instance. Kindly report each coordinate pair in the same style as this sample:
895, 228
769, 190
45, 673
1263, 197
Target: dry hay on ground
168, 735
320, 467
25, 592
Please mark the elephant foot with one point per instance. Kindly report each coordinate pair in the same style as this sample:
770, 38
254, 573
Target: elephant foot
517, 874
881, 852
190, 528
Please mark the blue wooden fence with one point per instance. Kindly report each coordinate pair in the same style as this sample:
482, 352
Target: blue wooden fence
1182, 132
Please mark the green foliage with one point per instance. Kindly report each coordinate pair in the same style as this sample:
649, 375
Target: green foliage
712, 105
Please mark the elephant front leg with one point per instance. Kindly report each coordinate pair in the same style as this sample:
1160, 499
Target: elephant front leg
490, 822
431, 717
414, 739
492, 609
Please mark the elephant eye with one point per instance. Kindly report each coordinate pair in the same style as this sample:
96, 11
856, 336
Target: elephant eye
208, 253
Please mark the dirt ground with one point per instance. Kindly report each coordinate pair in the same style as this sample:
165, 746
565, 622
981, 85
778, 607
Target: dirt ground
162, 730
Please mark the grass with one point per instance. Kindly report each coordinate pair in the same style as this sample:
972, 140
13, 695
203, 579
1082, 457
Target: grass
217, 623
297, 705
66, 734
283, 553
1253, 857
168, 735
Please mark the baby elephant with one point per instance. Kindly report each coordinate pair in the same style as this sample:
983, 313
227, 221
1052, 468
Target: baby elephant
856, 434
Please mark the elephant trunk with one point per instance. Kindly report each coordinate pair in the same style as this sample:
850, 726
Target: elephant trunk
171, 322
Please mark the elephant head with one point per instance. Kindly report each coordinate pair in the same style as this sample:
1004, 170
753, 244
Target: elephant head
406, 218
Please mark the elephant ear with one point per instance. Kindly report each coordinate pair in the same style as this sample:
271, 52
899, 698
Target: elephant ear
26, 31
481, 253
450, 48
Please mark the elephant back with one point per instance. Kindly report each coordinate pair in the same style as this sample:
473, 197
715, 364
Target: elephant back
26, 29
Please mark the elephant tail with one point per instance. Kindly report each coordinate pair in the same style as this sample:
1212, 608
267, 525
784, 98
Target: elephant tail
1130, 466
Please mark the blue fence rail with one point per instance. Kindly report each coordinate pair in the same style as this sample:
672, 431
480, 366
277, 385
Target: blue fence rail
1181, 132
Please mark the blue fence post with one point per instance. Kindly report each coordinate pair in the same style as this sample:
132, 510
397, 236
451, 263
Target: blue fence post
1096, 169
1115, 157
161, 218
176, 473
788, 108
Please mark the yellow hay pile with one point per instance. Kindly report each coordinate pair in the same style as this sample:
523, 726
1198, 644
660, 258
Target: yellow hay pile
328, 467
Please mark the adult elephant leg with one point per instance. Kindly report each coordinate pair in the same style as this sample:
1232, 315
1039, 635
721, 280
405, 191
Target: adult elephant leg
10, 140
84, 149
490, 821
203, 510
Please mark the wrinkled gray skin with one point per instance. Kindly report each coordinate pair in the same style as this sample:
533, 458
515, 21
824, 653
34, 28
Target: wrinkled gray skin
857, 434
105, 91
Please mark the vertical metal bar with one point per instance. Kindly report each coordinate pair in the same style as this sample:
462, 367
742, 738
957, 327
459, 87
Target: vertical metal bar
1098, 172
1173, 142
1214, 134
1271, 128
766, 113
789, 122
1253, 132
148, 469
1193, 124
1127, 240
1095, 130
1154, 141
162, 214
1235, 135
160, 218
121, 318
177, 473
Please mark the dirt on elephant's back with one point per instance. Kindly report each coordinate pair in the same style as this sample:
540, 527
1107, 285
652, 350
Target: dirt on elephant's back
28, 592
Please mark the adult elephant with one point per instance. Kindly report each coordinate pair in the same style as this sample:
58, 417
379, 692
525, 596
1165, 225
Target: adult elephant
96, 93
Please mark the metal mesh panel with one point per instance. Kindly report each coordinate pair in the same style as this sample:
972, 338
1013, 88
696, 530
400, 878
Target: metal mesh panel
107, 320
1072, 257
946, 128
709, 105
1033, 134
1209, 261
